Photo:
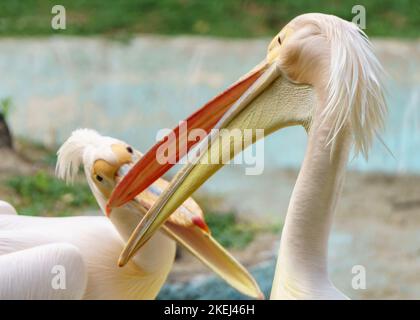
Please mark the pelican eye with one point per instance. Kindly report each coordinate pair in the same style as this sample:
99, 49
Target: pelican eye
130, 150
279, 40
99, 178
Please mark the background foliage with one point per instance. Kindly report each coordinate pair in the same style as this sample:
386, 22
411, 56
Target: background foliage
227, 18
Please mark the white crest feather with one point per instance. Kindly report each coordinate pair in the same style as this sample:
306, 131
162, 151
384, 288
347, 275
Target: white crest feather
355, 96
70, 154
83, 147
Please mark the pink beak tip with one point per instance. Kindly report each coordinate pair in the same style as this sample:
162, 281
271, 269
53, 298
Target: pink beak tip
199, 222
108, 209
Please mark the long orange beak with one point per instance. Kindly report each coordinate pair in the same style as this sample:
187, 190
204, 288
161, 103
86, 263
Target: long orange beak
270, 103
151, 167
264, 100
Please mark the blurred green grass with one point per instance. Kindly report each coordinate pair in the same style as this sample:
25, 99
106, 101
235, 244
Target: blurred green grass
233, 18
42, 194
234, 233
36, 191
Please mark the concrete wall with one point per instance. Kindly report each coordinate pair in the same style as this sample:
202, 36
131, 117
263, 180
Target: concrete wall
131, 90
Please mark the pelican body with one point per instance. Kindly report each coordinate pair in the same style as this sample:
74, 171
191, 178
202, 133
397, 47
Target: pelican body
77, 257
87, 248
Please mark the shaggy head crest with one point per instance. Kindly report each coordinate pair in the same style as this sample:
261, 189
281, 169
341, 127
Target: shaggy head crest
84, 146
354, 91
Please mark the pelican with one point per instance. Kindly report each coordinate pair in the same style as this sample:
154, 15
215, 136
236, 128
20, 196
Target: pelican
87, 248
320, 72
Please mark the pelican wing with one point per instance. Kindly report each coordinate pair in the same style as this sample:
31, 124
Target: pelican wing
29, 273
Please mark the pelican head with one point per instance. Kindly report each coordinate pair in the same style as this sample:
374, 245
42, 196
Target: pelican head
104, 160
319, 72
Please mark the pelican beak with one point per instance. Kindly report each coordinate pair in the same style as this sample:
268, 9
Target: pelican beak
153, 166
263, 99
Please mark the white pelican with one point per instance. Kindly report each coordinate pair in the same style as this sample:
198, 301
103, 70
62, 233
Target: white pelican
88, 247
320, 73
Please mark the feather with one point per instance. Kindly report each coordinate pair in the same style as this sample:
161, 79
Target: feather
355, 96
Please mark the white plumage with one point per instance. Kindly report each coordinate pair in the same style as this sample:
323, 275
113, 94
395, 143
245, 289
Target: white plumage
6, 208
87, 247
